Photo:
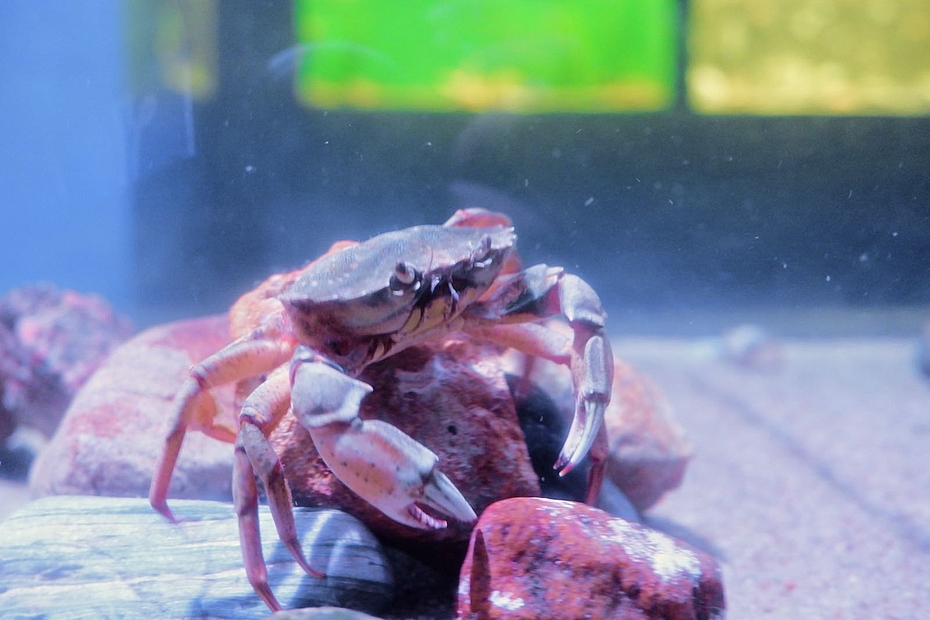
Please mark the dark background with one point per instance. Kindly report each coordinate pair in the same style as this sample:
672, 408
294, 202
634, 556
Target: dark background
657, 211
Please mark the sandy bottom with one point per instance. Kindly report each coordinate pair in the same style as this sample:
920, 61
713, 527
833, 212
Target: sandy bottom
810, 481
14, 494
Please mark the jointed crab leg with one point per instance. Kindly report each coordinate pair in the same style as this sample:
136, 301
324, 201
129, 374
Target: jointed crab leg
251, 355
260, 414
541, 291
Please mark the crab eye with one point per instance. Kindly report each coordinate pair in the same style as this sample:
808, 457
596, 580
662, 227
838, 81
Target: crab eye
403, 273
404, 278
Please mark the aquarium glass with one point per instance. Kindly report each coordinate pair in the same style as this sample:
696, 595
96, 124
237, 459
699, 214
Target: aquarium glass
739, 190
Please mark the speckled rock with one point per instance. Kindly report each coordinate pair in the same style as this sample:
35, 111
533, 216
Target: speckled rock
51, 341
110, 438
452, 397
536, 558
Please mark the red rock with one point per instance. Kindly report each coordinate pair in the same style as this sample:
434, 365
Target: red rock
543, 558
648, 449
9, 365
109, 439
51, 342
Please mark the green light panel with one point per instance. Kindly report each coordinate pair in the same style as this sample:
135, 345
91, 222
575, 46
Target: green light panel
510, 55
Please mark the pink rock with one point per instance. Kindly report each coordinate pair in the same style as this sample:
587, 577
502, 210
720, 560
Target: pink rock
9, 368
648, 449
450, 396
51, 342
543, 558
108, 441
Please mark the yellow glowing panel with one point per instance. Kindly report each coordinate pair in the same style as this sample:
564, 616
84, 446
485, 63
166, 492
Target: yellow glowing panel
186, 45
173, 44
809, 56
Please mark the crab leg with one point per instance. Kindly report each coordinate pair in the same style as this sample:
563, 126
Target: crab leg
193, 407
476, 217
260, 414
539, 292
379, 462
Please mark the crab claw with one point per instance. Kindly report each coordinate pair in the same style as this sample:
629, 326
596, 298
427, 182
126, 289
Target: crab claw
392, 472
593, 368
440, 494
376, 460
592, 365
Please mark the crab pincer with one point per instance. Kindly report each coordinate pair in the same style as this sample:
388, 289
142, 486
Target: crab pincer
592, 365
379, 462
511, 316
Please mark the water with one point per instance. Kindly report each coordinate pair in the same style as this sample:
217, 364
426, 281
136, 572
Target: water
171, 196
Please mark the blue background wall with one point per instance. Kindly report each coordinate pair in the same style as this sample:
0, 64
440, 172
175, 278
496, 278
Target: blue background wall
64, 208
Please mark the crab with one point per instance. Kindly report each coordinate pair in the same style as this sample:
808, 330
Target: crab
316, 329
